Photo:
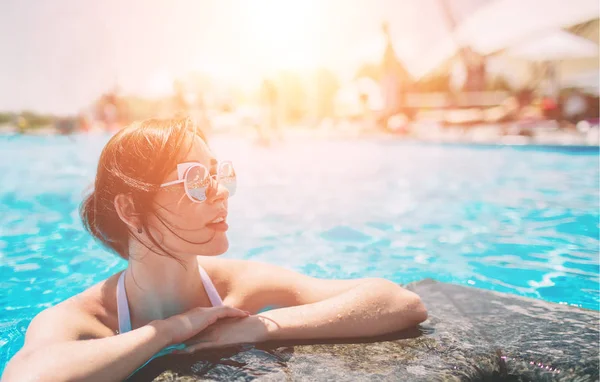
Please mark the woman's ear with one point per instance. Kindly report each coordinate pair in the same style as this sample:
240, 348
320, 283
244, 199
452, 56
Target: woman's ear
126, 210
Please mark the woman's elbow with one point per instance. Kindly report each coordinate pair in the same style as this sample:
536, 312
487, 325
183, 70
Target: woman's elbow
25, 367
415, 309
410, 307
407, 305
18, 369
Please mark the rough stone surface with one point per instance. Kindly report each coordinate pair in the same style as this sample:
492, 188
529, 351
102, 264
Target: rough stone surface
471, 335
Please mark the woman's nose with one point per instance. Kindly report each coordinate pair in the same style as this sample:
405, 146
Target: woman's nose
217, 193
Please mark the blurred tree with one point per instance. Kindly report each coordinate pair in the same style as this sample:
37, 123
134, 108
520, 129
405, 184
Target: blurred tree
35, 120
327, 86
293, 96
7, 118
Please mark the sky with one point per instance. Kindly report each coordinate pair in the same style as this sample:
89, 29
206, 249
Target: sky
58, 56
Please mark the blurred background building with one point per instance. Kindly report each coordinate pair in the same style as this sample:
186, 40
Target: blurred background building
266, 67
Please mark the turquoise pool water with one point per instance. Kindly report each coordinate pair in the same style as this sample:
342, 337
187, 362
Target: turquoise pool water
520, 220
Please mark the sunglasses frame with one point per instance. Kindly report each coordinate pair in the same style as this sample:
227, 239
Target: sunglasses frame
184, 168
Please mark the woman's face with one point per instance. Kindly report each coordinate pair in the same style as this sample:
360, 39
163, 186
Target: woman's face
183, 227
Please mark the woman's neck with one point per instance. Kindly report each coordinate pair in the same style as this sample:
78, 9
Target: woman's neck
159, 287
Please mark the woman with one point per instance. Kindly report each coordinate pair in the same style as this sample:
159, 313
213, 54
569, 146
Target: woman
160, 201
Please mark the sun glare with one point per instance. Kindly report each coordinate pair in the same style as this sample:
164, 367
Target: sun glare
160, 84
283, 34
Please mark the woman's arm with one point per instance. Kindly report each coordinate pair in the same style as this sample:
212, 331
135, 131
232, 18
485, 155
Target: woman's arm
105, 359
357, 307
371, 308
309, 308
63, 357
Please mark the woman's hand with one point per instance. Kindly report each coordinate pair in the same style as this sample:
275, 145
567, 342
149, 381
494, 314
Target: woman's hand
229, 332
182, 327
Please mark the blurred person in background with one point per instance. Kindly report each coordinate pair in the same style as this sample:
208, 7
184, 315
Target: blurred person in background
574, 107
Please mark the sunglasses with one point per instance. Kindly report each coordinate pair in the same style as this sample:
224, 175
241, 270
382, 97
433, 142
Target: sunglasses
197, 179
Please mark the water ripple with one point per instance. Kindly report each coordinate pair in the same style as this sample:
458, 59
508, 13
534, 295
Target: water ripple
519, 221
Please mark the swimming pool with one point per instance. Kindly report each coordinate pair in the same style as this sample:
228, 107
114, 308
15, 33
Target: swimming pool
520, 220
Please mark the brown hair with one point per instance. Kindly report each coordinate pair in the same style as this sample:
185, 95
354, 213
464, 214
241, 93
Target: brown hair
134, 161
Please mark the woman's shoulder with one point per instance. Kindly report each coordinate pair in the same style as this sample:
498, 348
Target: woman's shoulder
100, 301
219, 270
233, 270
224, 273
86, 315
94, 310
233, 275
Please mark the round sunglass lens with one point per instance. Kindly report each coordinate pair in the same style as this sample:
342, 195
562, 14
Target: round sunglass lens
196, 183
227, 177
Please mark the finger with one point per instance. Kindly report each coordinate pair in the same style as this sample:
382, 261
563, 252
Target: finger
197, 347
228, 311
201, 318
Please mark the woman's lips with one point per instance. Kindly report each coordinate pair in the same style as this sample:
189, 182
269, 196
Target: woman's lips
221, 227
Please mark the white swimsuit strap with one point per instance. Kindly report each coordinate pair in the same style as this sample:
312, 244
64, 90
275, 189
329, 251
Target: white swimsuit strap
123, 306
211, 291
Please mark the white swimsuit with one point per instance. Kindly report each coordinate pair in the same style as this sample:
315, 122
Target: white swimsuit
125, 318
123, 305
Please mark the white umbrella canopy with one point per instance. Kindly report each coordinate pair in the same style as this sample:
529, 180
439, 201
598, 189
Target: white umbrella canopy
503, 23
556, 45
500, 24
414, 27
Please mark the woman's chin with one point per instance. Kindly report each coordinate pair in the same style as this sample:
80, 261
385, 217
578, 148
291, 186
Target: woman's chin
218, 246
